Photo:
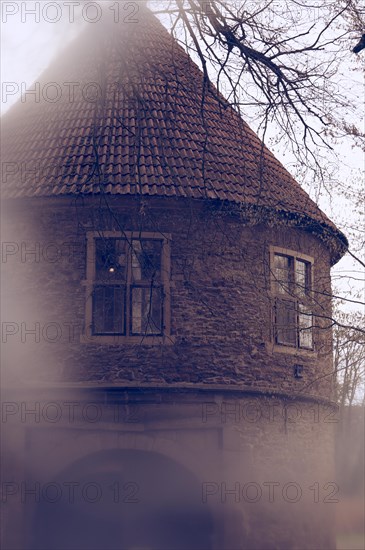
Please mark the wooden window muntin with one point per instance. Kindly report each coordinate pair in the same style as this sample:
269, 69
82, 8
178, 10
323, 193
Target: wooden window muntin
160, 284
295, 289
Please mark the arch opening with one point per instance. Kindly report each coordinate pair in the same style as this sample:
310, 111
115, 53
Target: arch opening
123, 500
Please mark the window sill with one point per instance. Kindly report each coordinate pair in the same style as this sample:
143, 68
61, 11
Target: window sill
111, 340
288, 350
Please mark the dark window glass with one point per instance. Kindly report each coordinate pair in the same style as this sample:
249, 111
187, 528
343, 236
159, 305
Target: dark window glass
110, 259
128, 286
108, 309
292, 287
146, 260
285, 322
305, 322
302, 277
146, 310
282, 273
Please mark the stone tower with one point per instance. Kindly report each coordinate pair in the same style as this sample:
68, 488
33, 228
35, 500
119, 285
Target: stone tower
166, 361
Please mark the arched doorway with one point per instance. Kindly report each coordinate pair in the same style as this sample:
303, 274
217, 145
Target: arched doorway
123, 500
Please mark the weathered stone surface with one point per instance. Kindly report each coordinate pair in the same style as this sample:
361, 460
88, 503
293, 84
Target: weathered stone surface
217, 400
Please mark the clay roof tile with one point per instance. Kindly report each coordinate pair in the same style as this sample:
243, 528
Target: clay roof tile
150, 112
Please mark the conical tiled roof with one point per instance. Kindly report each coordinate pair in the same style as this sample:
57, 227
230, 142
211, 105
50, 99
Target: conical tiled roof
121, 112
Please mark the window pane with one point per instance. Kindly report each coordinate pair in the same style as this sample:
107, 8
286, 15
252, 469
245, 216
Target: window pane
305, 327
146, 310
302, 277
146, 260
285, 322
108, 310
282, 275
110, 259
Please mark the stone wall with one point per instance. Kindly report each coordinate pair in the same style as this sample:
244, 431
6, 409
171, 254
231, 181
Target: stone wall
220, 302
261, 467
215, 402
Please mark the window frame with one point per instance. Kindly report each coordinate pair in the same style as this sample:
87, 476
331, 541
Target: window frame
91, 282
305, 301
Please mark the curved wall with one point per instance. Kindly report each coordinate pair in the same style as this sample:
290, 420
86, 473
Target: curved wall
216, 398
221, 307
